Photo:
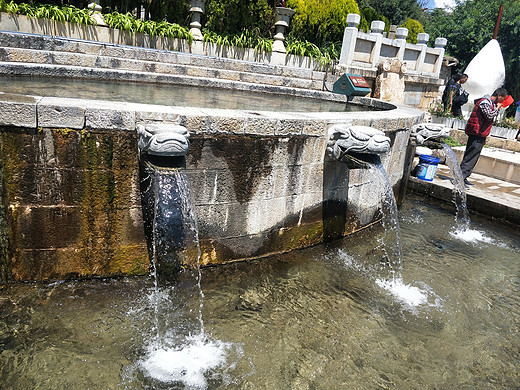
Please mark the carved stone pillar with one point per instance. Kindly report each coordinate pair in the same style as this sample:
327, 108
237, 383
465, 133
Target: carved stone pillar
197, 9
283, 18
389, 84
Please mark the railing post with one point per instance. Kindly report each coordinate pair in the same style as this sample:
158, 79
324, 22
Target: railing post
440, 44
400, 41
197, 9
377, 27
349, 39
422, 40
283, 18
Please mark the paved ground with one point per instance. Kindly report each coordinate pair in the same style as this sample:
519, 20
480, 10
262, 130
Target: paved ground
489, 196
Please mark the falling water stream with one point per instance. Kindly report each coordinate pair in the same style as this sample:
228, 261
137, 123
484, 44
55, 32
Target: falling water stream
390, 275
181, 351
459, 192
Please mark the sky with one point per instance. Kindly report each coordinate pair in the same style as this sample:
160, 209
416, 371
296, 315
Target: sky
439, 3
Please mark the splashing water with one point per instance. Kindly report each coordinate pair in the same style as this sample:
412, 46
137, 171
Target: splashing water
471, 235
459, 193
180, 350
187, 364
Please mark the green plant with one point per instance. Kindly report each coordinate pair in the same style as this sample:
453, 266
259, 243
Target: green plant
319, 21
67, 13
127, 22
246, 39
509, 123
452, 142
436, 109
414, 28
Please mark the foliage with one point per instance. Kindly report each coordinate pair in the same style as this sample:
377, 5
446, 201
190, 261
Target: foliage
173, 11
509, 123
48, 11
235, 16
324, 55
470, 26
320, 22
368, 15
414, 28
437, 109
246, 39
452, 142
397, 11
164, 29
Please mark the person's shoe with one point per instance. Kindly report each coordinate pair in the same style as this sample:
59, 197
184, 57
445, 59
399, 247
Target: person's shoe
467, 183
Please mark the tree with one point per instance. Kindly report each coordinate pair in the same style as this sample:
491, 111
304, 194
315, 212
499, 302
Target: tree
414, 28
397, 11
236, 16
369, 14
320, 22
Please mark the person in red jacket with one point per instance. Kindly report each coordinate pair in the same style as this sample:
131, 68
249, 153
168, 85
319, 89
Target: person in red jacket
478, 128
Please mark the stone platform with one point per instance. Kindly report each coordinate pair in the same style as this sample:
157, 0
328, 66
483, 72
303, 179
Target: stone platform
488, 196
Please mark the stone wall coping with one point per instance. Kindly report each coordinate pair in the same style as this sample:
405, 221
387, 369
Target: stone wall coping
52, 112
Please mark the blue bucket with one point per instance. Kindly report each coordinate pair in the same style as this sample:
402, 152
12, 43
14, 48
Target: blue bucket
427, 167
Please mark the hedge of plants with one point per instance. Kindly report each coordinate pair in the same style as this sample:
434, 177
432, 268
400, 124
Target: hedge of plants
316, 29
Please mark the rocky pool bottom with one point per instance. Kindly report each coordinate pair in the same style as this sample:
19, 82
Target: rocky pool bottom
328, 317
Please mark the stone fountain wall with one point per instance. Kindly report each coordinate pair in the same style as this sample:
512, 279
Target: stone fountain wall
261, 182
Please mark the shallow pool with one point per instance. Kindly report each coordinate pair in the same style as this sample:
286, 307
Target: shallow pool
329, 317
173, 95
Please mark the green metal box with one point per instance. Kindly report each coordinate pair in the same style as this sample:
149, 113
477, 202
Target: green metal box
351, 85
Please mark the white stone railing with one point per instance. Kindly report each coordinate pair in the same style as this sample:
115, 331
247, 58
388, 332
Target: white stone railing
368, 50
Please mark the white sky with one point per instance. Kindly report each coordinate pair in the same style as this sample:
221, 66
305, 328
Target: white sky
440, 3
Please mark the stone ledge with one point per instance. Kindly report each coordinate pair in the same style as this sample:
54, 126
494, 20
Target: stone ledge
497, 163
18, 110
486, 202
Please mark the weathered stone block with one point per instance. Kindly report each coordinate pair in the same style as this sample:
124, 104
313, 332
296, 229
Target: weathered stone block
53, 113
109, 119
18, 110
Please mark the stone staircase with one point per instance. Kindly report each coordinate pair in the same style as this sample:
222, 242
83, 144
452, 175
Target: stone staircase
29, 54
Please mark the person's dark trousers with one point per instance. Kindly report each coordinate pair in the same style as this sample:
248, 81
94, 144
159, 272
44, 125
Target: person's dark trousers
471, 155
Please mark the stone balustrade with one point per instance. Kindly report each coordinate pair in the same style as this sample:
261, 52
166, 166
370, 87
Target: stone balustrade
368, 50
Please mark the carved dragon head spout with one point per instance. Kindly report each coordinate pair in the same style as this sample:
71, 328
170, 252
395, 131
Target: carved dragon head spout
347, 140
423, 132
163, 139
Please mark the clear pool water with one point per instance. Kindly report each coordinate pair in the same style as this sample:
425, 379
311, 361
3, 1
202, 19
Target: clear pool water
321, 318
169, 95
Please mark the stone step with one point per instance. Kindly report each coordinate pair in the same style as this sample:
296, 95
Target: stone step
29, 56
40, 49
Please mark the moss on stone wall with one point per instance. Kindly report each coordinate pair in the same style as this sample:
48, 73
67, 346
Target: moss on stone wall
74, 205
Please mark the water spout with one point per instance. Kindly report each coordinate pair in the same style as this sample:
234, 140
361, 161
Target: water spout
163, 139
423, 132
169, 218
358, 146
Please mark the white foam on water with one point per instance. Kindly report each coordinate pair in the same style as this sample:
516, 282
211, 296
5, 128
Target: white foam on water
410, 296
471, 235
186, 364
